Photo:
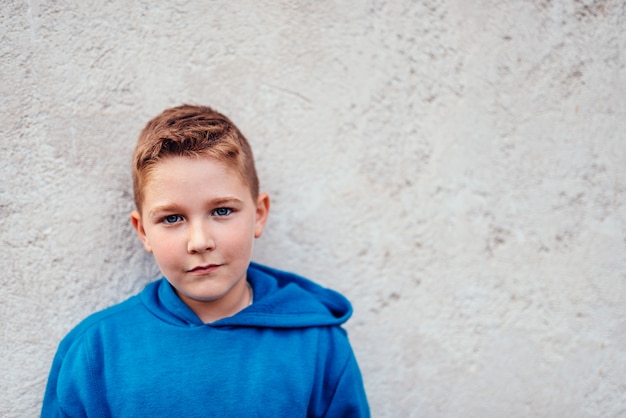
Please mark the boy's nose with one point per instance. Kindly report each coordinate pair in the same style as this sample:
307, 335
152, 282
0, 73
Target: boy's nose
200, 239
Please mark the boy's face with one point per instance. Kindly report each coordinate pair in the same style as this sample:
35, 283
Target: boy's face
199, 220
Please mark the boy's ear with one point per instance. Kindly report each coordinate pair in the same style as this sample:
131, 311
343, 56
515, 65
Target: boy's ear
262, 211
135, 219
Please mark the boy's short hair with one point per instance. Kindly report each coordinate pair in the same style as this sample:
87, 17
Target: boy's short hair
192, 131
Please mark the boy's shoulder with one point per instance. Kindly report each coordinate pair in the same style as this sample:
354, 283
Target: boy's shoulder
121, 313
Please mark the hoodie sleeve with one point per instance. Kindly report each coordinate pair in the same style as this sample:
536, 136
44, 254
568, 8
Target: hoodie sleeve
51, 407
71, 390
339, 391
349, 399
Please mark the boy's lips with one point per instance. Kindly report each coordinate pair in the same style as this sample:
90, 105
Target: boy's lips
208, 268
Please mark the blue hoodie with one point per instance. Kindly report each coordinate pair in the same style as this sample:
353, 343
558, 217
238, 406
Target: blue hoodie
285, 355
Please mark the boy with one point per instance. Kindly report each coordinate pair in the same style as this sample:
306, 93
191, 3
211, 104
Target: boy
218, 335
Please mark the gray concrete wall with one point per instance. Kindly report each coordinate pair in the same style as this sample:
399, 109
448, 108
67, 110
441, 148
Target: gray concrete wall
456, 168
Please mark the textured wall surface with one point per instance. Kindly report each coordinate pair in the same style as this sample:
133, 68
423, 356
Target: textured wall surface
456, 168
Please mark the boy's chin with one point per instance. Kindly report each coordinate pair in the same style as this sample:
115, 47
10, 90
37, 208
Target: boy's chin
199, 295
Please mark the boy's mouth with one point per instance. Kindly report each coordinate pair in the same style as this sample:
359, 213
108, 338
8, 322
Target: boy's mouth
204, 269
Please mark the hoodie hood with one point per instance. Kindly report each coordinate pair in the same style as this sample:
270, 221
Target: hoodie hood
281, 300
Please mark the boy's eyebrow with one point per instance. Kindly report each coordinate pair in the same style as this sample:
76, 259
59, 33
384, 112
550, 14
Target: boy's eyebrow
163, 208
225, 200
173, 207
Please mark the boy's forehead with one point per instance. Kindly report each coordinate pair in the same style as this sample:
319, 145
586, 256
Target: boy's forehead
182, 169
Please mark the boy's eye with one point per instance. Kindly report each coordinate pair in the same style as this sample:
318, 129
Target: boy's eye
172, 219
222, 211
